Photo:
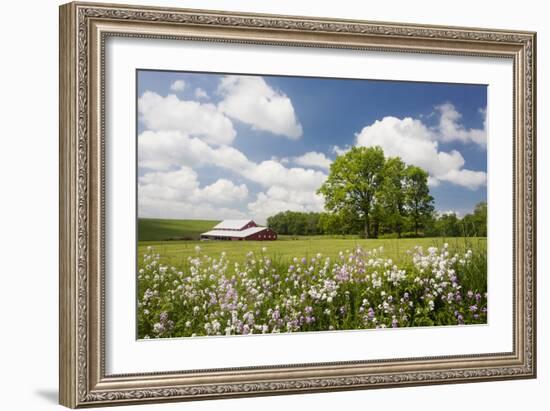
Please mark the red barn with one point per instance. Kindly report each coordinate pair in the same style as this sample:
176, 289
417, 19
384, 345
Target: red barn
238, 230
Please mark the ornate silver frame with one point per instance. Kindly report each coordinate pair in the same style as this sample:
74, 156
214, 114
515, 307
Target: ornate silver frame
83, 30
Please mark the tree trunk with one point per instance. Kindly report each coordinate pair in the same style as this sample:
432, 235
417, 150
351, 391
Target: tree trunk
367, 226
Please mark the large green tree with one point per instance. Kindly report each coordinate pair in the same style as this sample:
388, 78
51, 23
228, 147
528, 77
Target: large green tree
418, 201
353, 183
391, 204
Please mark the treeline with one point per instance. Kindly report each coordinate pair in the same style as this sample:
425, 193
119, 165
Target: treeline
450, 225
368, 194
435, 225
296, 223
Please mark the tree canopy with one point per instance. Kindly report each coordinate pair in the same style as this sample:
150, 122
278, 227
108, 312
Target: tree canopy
382, 193
418, 201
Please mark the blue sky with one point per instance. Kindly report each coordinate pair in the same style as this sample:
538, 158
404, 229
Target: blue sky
219, 146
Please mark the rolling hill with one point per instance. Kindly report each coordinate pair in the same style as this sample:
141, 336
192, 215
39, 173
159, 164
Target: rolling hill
156, 229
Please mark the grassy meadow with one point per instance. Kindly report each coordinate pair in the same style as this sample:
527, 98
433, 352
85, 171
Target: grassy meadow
176, 240
286, 248
193, 287
157, 229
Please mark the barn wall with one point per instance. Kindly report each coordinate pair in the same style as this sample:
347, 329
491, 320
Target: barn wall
264, 235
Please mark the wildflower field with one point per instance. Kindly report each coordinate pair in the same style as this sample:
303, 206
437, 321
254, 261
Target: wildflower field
200, 289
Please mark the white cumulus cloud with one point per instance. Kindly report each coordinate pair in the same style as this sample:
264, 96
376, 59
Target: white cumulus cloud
339, 151
277, 199
272, 173
467, 178
169, 113
179, 192
183, 185
166, 150
200, 93
159, 208
251, 100
160, 153
312, 159
178, 85
450, 129
417, 144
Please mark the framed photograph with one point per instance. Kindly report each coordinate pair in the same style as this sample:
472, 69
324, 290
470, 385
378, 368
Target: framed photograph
259, 204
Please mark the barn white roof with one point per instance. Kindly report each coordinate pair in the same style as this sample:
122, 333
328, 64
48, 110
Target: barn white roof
231, 224
236, 234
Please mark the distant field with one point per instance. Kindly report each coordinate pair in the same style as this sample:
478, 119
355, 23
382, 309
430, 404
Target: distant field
176, 252
155, 229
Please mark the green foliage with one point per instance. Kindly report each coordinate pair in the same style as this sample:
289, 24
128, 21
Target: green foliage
450, 225
476, 224
343, 222
447, 225
418, 201
332, 223
392, 197
386, 194
156, 229
392, 224
354, 182
295, 223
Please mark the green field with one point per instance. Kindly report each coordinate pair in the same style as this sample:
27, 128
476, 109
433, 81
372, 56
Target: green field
211, 295
156, 229
176, 240
176, 252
